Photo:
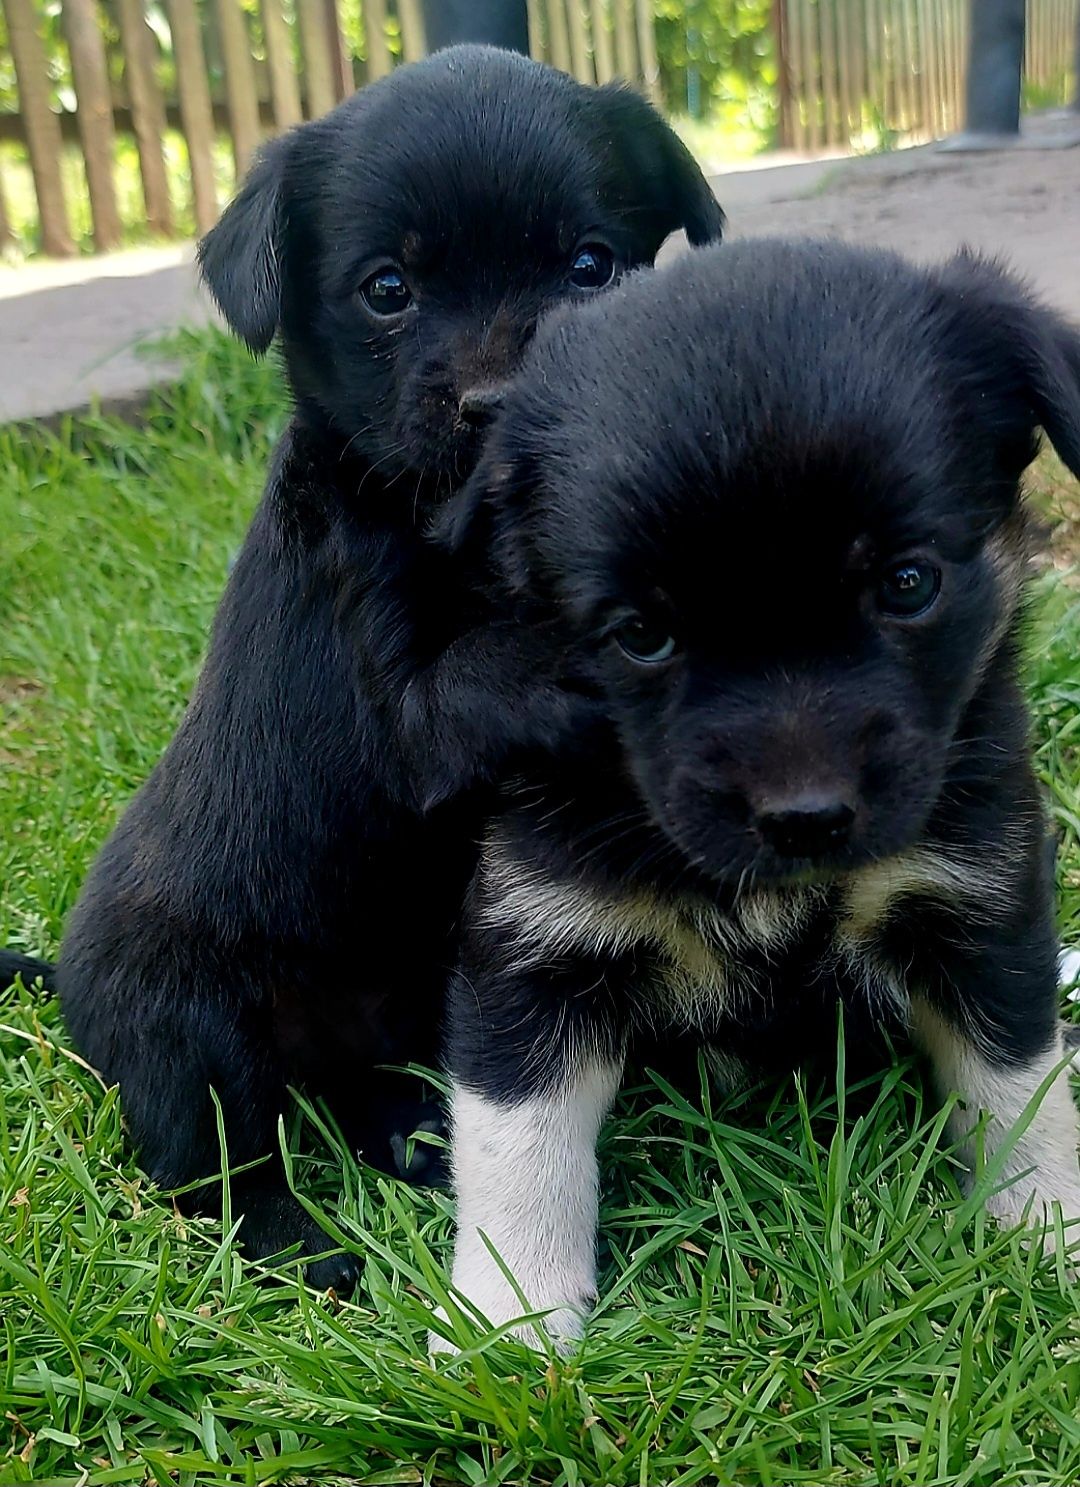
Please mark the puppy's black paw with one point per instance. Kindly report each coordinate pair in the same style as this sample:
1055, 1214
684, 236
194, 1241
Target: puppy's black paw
424, 1165
275, 1226
339, 1273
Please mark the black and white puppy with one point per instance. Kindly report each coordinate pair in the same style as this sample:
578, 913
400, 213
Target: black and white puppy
275, 907
769, 502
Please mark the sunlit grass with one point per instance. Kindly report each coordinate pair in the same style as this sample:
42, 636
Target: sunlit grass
788, 1297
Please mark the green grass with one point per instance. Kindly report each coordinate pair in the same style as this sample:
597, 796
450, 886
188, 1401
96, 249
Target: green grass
794, 1291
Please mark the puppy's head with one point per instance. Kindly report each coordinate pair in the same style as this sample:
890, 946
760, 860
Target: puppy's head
773, 494
404, 245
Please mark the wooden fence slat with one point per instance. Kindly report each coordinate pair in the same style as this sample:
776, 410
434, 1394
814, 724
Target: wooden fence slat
875, 42
379, 61
241, 96
911, 95
537, 35
930, 58
7, 235
579, 42
626, 59
650, 61
941, 67
796, 87
603, 53
960, 15
811, 69
890, 67
413, 44
843, 55
147, 112
829, 72
949, 122
858, 28
318, 71
196, 110
90, 77
925, 65
281, 65
340, 65
558, 34
779, 26
41, 124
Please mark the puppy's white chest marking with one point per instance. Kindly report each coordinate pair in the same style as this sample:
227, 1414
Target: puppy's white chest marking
931, 872
698, 953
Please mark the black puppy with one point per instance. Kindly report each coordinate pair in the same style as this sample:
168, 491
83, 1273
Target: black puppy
770, 500
275, 907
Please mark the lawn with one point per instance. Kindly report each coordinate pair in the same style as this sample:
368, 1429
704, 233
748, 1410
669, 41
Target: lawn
794, 1290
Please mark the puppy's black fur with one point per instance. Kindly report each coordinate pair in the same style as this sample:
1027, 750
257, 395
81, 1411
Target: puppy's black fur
275, 907
769, 501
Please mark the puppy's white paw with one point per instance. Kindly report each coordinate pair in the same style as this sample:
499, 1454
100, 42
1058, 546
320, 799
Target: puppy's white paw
1069, 972
563, 1326
564, 1299
1043, 1188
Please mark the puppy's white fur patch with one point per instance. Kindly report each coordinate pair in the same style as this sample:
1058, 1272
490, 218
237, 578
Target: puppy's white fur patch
953, 877
1043, 1163
526, 1177
1069, 973
697, 948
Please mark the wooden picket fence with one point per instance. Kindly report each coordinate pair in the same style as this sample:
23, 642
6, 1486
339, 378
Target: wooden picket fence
246, 69
598, 40
243, 69
886, 69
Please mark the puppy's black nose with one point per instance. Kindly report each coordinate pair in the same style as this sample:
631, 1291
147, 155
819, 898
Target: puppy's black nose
809, 825
479, 405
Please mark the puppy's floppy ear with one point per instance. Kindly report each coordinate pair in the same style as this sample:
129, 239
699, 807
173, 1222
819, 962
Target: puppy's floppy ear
240, 258
1021, 359
660, 170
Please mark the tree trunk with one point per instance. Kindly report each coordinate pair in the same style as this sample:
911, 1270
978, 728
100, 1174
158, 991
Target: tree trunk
89, 73
147, 113
498, 22
196, 113
281, 65
41, 125
995, 60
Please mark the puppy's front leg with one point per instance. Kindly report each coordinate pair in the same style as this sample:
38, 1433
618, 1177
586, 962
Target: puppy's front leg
992, 1075
494, 693
526, 1107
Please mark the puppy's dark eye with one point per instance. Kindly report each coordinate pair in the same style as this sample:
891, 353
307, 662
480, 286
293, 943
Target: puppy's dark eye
593, 266
646, 641
386, 293
908, 589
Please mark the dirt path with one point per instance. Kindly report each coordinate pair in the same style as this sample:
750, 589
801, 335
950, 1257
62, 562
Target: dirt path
1023, 203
